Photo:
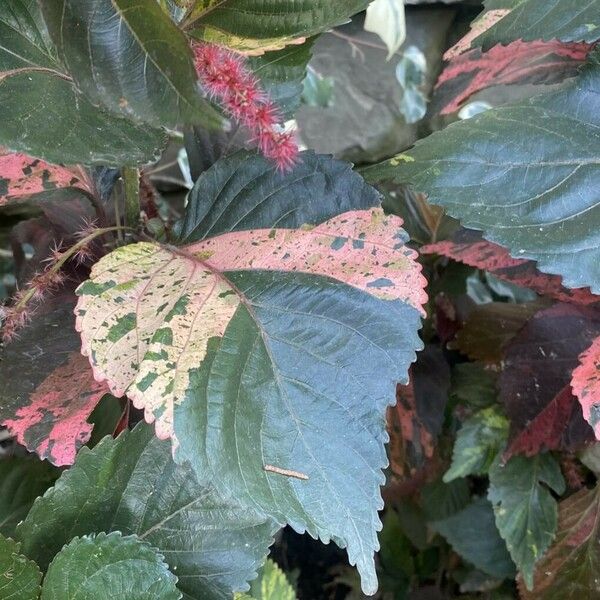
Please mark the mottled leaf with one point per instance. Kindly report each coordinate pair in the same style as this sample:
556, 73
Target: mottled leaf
537, 366
54, 423
129, 57
552, 19
526, 513
254, 26
570, 568
545, 152
586, 385
472, 533
109, 566
22, 176
478, 442
171, 329
131, 484
520, 62
245, 191
467, 247
22, 480
19, 577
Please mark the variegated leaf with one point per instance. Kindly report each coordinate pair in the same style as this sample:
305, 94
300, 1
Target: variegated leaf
249, 330
586, 385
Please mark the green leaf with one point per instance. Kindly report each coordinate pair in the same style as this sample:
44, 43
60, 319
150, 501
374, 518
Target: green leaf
22, 480
545, 151
526, 513
472, 533
19, 577
245, 191
131, 484
129, 57
441, 500
104, 566
259, 382
552, 19
473, 385
282, 74
24, 38
271, 584
570, 569
258, 25
44, 115
479, 440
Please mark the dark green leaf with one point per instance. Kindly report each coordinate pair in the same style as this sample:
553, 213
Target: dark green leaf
478, 441
245, 191
19, 577
102, 567
23, 35
129, 57
44, 115
544, 151
131, 485
441, 500
526, 513
288, 388
282, 75
472, 533
551, 19
22, 480
257, 25
473, 385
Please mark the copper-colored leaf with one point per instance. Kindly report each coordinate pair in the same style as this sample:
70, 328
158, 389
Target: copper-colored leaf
569, 570
468, 247
54, 425
586, 385
537, 366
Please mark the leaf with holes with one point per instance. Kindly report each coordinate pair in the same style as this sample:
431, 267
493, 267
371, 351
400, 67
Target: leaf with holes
586, 385
254, 26
545, 151
241, 334
467, 246
553, 19
213, 545
570, 569
44, 113
19, 577
130, 58
526, 513
22, 177
54, 422
107, 566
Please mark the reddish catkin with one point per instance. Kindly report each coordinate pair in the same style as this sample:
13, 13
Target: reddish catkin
226, 78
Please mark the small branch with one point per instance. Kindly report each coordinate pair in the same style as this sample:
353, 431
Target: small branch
285, 472
131, 187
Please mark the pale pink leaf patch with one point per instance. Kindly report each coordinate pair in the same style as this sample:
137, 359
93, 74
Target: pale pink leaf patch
54, 424
148, 313
22, 176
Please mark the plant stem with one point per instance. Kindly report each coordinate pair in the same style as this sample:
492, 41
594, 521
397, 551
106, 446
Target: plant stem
131, 186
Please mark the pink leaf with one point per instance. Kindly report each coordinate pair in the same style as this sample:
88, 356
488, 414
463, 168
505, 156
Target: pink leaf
467, 247
586, 385
519, 62
22, 176
54, 424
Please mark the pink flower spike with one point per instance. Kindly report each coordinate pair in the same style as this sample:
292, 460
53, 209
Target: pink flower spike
227, 79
